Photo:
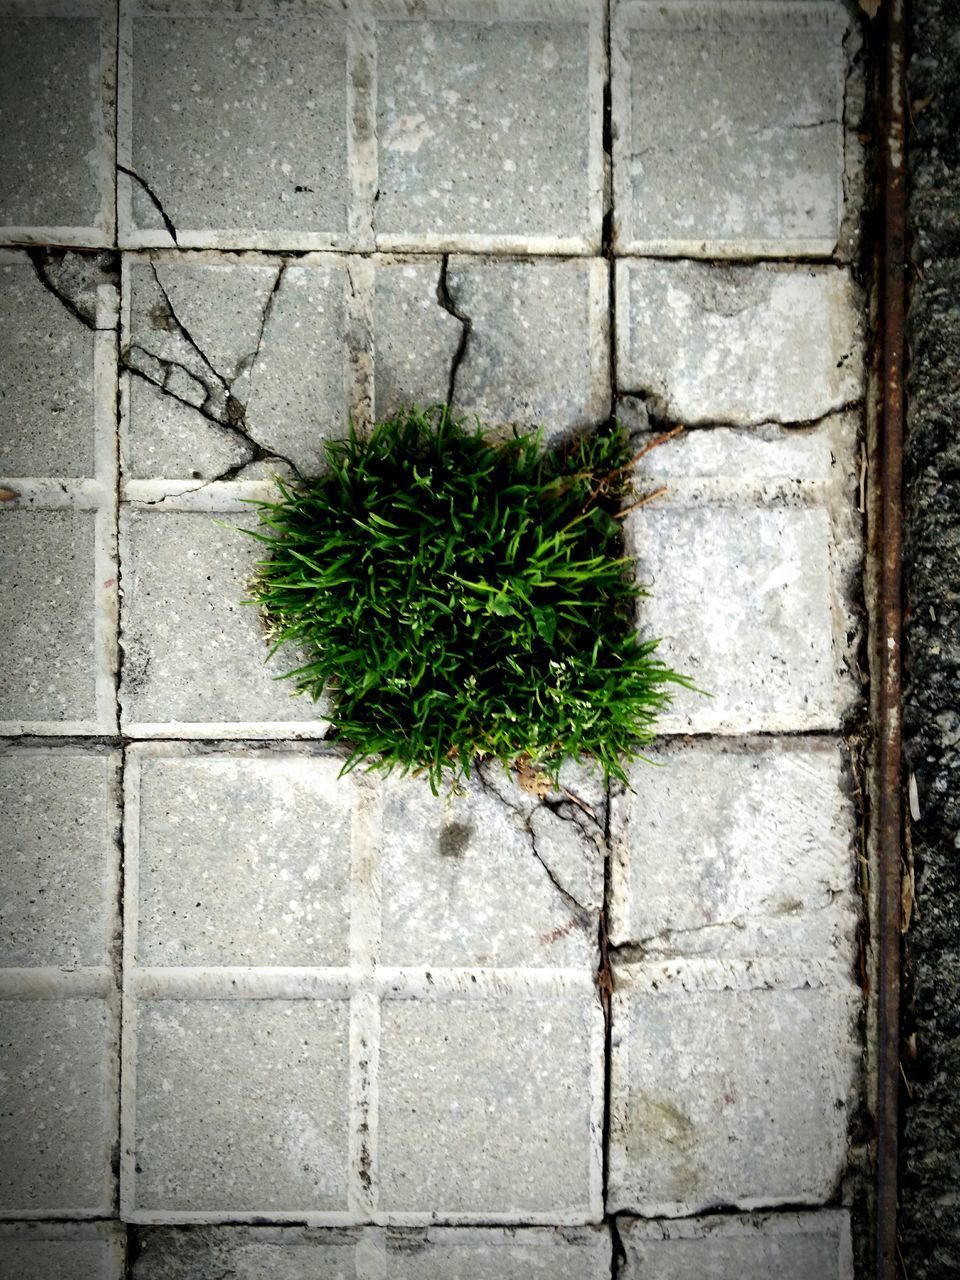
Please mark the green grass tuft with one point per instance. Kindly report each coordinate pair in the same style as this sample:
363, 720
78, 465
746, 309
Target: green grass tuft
464, 598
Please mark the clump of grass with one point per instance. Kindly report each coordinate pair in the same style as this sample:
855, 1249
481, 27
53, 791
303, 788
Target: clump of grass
464, 598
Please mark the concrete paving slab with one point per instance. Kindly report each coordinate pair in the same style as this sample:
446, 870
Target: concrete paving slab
59, 856
57, 104
234, 361
791, 1246
237, 858
194, 655
537, 346
491, 1108
739, 344
452, 869
74, 1251
729, 138
58, 1097
731, 1085
736, 849
468, 156
247, 1253
236, 1106
237, 127
415, 337
445, 1253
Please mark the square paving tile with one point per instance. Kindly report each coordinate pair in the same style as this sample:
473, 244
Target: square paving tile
729, 137
236, 123
58, 1100
489, 132
57, 104
237, 1106
59, 857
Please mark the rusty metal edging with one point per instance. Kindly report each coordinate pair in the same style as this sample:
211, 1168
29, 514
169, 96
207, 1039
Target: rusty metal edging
889, 674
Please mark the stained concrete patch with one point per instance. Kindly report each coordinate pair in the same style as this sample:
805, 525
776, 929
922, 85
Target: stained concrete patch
59, 858
208, 1070
58, 1099
739, 344
57, 104
468, 156
78, 1251
537, 351
729, 137
795, 1246
485, 1107
757, 1115
736, 849
234, 123
271, 886
194, 655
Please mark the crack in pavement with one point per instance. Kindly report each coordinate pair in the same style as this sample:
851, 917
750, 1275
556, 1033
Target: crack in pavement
446, 300
40, 261
154, 199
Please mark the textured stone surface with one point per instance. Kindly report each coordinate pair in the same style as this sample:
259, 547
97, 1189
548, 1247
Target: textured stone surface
271, 885
485, 1254
738, 344
193, 654
265, 1130
46, 378
930, 1167
57, 66
415, 338
48, 662
58, 857
262, 351
465, 1086
727, 1093
58, 1103
751, 622
536, 351
729, 136
736, 849
466, 153
454, 867
43, 1250
237, 120
789, 1246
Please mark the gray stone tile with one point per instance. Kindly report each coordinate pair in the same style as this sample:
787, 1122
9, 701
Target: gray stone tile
485, 1253
742, 601
59, 857
453, 869
736, 849
488, 1107
194, 655
757, 1115
58, 1101
46, 377
247, 1253
241, 1106
729, 137
239, 859
415, 338
80, 1251
232, 361
536, 351
739, 344
238, 120
57, 103
49, 667
791, 1246
489, 132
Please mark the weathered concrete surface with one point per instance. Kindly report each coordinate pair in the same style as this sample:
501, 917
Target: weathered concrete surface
738, 344
434, 1253
57, 119
78, 1251
729, 128
930, 1168
808, 1246
415, 338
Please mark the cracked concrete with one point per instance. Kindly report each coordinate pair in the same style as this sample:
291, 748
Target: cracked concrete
525, 1015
